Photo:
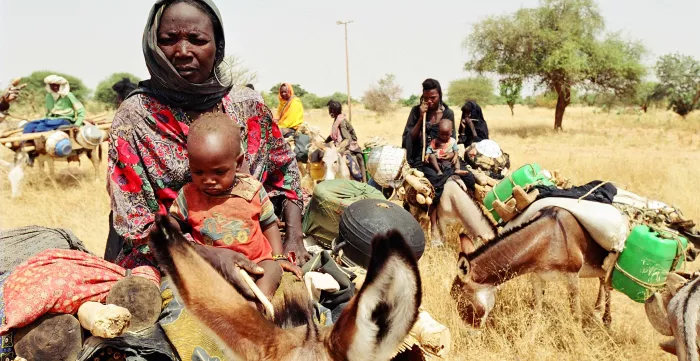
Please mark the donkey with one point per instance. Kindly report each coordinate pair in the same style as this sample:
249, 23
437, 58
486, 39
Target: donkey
22, 159
456, 205
553, 243
15, 172
675, 312
371, 327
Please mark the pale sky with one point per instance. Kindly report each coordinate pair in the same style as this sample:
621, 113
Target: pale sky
299, 41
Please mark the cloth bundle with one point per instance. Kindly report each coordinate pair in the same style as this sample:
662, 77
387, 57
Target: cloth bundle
60, 281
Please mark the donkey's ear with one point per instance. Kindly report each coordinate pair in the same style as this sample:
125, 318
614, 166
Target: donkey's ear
319, 144
378, 319
463, 267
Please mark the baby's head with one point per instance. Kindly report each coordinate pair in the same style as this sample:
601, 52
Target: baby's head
214, 152
445, 130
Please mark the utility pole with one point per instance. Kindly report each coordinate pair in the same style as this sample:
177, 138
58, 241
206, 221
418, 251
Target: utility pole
347, 66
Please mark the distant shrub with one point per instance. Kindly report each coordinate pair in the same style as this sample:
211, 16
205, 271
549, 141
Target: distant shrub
383, 97
104, 92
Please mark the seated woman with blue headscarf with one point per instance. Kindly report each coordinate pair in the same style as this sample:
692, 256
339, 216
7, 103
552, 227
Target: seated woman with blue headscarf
62, 107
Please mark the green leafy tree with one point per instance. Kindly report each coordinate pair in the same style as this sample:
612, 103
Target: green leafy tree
559, 45
34, 94
510, 92
383, 97
104, 92
479, 89
648, 94
411, 101
271, 100
298, 90
679, 78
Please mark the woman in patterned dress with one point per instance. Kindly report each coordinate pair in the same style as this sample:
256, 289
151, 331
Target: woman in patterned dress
183, 45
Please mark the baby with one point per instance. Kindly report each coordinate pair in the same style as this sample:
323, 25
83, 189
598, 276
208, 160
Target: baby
443, 152
228, 209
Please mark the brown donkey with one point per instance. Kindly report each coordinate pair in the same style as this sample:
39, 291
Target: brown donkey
371, 327
551, 244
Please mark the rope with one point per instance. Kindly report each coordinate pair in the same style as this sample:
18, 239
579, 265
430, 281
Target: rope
593, 190
650, 286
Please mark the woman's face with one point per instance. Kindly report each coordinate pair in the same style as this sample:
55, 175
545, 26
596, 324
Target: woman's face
55, 87
432, 98
284, 93
186, 37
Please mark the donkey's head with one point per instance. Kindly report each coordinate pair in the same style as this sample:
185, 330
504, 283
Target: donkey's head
371, 327
474, 301
332, 159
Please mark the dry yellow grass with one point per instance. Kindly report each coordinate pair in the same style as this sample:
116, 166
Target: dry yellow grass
654, 155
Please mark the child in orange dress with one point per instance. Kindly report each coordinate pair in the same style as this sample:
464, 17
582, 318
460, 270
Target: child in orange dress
228, 209
442, 152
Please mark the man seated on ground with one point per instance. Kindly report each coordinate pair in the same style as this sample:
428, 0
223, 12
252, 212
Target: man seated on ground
62, 107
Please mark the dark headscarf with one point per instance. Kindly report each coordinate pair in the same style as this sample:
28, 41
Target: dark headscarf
472, 110
123, 87
166, 84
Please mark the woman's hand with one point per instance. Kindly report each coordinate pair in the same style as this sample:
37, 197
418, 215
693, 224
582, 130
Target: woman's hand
289, 267
293, 235
423, 108
228, 262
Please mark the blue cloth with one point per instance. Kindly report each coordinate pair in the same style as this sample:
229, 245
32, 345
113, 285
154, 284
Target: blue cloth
44, 125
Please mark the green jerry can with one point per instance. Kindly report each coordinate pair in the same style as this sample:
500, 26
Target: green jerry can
649, 255
527, 175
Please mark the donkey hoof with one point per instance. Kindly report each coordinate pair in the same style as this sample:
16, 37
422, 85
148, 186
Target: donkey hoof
141, 297
50, 338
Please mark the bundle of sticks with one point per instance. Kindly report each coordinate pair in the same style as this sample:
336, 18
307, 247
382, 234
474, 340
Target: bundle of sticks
14, 139
416, 189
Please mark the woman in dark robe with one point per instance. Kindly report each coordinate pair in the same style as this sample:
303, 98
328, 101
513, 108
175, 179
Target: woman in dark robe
472, 127
432, 109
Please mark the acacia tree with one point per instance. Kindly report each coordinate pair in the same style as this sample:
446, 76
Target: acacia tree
679, 77
510, 92
478, 89
558, 46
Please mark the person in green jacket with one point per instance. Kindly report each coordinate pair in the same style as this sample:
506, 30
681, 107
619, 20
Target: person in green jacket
62, 107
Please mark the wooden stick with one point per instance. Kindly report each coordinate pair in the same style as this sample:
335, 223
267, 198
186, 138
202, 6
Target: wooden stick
425, 120
415, 182
258, 293
32, 136
23, 137
10, 132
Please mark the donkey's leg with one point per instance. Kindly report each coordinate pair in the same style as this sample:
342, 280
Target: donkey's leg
574, 296
94, 156
436, 229
607, 315
600, 302
537, 291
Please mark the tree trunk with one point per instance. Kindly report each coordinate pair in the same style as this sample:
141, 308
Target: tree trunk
511, 106
563, 100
